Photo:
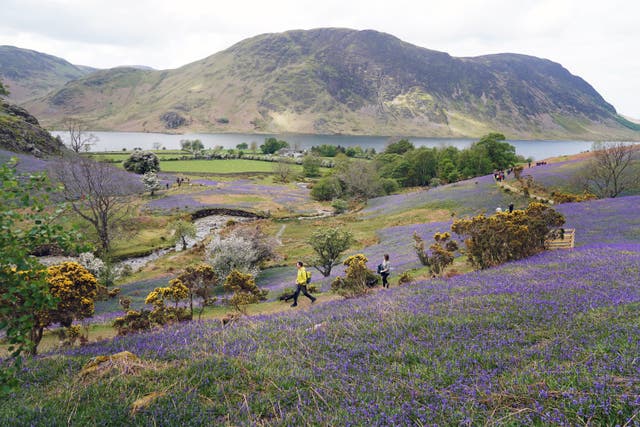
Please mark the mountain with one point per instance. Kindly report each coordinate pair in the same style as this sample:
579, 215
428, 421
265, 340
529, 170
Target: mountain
29, 74
343, 81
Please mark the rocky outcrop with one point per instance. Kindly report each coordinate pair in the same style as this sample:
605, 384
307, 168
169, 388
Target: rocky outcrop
173, 120
20, 132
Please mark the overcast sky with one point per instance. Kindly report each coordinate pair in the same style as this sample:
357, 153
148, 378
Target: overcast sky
596, 40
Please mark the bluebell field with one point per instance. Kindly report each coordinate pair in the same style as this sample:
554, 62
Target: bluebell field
550, 340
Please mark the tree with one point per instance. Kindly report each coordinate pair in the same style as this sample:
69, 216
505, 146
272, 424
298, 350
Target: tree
360, 178
151, 182
311, 166
474, 161
271, 145
194, 146
329, 244
141, 162
200, 282
422, 166
242, 146
501, 154
25, 225
79, 138
399, 147
611, 171
244, 250
245, 291
282, 170
253, 146
97, 192
183, 230
386, 165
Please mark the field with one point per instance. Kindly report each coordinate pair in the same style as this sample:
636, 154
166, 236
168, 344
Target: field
234, 166
550, 340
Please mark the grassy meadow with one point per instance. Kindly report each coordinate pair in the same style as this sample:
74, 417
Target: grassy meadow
549, 340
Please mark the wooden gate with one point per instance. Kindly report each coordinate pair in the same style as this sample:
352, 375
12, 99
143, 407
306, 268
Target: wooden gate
567, 240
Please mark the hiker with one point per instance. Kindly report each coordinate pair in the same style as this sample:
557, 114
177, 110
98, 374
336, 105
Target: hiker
301, 285
510, 207
384, 270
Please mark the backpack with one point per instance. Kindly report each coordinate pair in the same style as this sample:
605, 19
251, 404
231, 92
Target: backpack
308, 276
379, 268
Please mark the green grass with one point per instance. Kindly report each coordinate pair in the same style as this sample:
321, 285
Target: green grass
221, 166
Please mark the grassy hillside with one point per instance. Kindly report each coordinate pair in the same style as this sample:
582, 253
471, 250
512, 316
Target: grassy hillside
30, 74
343, 81
549, 340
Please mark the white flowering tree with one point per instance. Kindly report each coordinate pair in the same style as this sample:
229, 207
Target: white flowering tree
243, 250
151, 182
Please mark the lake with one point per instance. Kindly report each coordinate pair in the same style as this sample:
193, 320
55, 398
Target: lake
116, 141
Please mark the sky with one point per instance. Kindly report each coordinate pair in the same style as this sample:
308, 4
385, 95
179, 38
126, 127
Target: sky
596, 40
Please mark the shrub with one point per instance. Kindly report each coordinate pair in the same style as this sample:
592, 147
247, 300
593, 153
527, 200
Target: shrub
327, 188
136, 321
245, 291
200, 282
505, 236
133, 321
435, 182
405, 277
440, 255
340, 206
355, 283
560, 197
389, 185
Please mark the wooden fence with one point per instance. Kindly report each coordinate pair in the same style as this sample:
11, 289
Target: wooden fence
567, 241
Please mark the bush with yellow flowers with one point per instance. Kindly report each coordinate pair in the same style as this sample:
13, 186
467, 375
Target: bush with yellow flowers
245, 291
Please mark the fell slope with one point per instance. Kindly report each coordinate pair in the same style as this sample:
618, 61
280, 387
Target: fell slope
29, 74
344, 81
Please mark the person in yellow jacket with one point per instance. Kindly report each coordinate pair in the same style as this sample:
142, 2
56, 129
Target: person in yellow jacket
301, 285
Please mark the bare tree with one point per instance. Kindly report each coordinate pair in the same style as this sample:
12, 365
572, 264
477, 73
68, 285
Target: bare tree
79, 138
97, 192
611, 171
282, 170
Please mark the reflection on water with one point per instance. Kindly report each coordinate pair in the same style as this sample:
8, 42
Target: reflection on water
116, 141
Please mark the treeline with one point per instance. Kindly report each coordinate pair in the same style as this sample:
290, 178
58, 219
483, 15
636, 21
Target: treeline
403, 165
411, 166
327, 150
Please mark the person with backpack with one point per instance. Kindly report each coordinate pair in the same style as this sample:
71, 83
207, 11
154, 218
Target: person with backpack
302, 279
384, 269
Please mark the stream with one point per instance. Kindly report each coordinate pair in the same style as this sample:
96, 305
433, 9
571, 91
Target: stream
205, 226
